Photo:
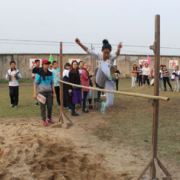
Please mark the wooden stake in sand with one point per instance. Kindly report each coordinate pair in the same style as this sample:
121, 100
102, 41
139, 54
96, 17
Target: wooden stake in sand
63, 116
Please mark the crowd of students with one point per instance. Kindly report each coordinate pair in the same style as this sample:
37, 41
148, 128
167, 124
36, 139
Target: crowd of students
142, 75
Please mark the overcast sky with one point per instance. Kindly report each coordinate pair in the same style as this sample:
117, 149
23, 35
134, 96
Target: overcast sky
129, 21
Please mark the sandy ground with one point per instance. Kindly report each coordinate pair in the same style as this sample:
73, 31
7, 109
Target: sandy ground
29, 151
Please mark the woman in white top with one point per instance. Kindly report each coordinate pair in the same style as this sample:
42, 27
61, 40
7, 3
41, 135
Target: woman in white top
146, 74
104, 76
160, 77
176, 73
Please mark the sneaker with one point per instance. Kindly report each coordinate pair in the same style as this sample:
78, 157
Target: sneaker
12, 105
85, 110
51, 121
36, 104
74, 114
45, 123
103, 109
15, 106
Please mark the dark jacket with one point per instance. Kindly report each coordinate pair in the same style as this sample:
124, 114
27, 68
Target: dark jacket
74, 78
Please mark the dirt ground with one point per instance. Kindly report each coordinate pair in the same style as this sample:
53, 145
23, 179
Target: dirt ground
29, 151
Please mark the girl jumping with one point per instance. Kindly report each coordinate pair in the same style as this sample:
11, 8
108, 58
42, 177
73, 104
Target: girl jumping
105, 74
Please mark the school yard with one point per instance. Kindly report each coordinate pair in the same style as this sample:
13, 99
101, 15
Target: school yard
114, 146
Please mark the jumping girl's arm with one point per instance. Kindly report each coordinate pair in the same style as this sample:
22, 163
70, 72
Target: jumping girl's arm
118, 49
86, 49
113, 57
81, 45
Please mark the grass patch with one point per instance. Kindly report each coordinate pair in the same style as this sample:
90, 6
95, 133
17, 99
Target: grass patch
130, 121
26, 105
4, 81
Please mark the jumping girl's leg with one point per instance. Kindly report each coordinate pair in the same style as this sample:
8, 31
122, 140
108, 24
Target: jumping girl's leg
109, 96
103, 74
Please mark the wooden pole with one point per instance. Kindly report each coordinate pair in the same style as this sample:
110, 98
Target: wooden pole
156, 93
61, 84
156, 164
118, 92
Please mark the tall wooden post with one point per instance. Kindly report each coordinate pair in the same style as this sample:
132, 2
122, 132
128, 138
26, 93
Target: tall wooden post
155, 164
156, 93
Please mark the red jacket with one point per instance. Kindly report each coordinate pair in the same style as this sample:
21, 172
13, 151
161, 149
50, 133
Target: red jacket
85, 79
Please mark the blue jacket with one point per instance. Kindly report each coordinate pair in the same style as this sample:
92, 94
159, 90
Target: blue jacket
44, 81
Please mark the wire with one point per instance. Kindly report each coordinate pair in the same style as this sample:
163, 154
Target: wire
29, 40
57, 42
27, 44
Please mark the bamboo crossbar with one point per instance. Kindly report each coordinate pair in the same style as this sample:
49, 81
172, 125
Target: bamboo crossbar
118, 92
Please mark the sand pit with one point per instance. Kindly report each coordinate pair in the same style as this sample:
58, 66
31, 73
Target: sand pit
29, 151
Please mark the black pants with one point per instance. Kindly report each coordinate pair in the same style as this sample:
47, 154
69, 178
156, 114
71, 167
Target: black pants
137, 79
14, 94
140, 80
49, 99
66, 98
145, 78
85, 93
117, 84
166, 79
57, 90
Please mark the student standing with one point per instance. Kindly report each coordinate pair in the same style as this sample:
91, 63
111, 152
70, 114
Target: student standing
13, 75
74, 77
66, 97
117, 74
176, 73
34, 72
160, 77
56, 73
104, 77
85, 82
146, 75
91, 85
140, 75
80, 66
134, 72
166, 78
45, 82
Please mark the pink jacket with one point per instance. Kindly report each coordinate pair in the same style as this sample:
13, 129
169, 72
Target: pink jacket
85, 80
